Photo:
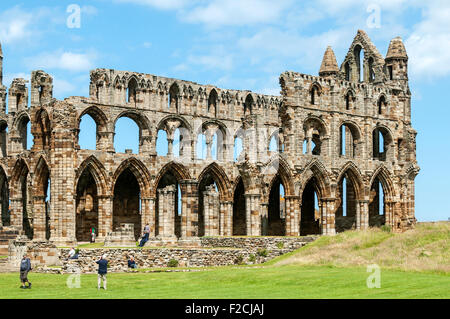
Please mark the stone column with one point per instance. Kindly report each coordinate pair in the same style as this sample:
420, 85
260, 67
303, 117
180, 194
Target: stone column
292, 216
166, 212
105, 209
226, 218
327, 216
253, 217
39, 218
189, 202
211, 211
16, 213
145, 145
362, 219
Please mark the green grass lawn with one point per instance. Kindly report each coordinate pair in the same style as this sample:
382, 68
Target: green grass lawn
290, 281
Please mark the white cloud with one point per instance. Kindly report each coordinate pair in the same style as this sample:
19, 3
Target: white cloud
428, 46
15, 25
69, 61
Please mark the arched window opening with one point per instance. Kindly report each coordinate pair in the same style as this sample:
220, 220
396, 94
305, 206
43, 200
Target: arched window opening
346, 213
248, 105
313, 95
359, 58
26, 137
86, 206
276, 222
349, 101
347, 71
201, 146
174, 93
126, 202
391, 74
212, 103
176, 143
310, 210
127, 136
348, 141
87, 136
239, 214
371, 71
162, 145
238, 149
273, 144
380, 141
132, 92
377, 216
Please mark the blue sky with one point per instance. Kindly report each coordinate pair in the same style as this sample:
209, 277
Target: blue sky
241, 45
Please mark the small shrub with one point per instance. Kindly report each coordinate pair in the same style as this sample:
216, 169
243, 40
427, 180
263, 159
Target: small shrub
77, 251
173, 263
386, 228
280, 245
252, 258
239, 260
263, 252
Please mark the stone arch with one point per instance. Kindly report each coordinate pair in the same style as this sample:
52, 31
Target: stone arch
145, 133
98, 172
248, 104
220, 177
178, 170
349, 98
174, 97
101, 123
20, 190
381, 177
212, 103
20, 126
385, 178
387, 142
132, 89
213, 127
350, 137
315, 91
382, 103
315, 131
277, 165
139, 170
239, 220
41, 207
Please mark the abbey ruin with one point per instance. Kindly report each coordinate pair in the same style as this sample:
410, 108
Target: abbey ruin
345, 154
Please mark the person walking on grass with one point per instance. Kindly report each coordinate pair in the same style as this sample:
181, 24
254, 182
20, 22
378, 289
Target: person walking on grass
102, 270
25, 267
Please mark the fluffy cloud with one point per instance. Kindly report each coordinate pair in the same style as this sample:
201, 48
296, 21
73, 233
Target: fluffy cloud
15, 25
159, 4
69, 61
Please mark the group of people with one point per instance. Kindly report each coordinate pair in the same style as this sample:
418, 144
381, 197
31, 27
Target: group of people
25, 264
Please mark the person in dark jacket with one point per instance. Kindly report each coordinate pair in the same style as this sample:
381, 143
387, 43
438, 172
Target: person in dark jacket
145, 236
102, 270
25, 267
132, 263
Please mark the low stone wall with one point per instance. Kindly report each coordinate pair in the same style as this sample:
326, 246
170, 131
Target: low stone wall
40, 252
160, 257
289, 243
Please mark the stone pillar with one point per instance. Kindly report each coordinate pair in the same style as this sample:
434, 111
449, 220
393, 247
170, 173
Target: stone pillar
226, 218
211, 211
149, 215
362, 215
166, 212
189, 202
328, 217
39, 218
105, 217
292, 216
145, 145
253, 217
16, 213
264, 218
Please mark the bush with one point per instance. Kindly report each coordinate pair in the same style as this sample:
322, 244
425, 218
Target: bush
252, 258
280, 245
173, 263
263, 252
386, 228
239, 260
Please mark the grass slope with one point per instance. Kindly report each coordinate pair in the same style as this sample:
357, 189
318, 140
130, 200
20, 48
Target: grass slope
414, 264
425, 248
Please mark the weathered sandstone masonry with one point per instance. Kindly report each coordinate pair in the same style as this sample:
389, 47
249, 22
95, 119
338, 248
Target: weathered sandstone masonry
340, 145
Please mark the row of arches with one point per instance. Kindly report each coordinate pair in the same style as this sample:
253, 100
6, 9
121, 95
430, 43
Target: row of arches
130, 187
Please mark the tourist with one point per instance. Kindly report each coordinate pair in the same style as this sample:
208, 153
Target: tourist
25, 267
145, 237
92, 234
73, 254
132, 263
102, 270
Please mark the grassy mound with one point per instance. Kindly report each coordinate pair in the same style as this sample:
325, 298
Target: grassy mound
425, 248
